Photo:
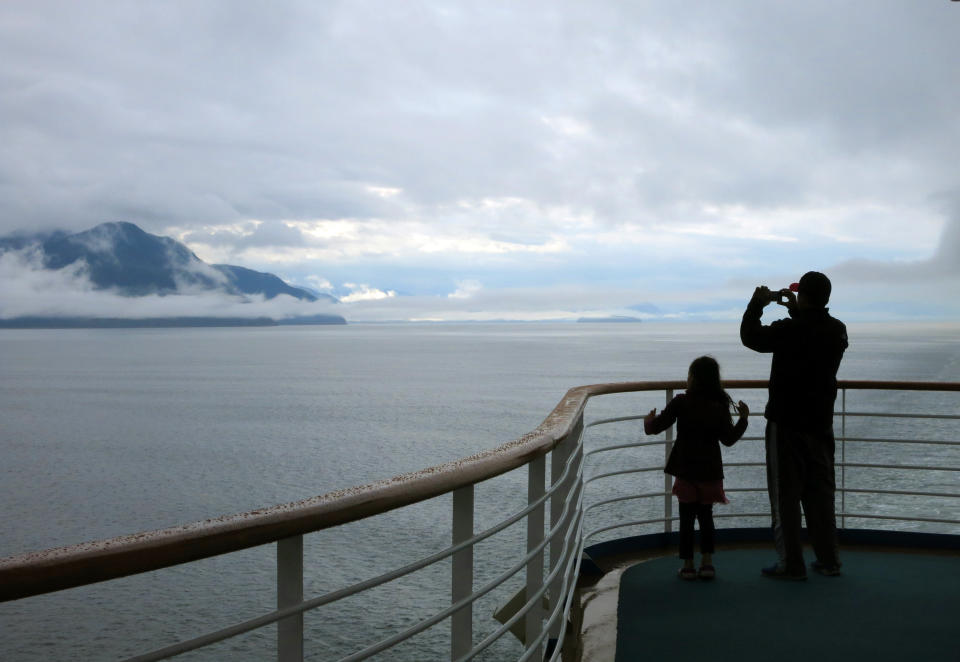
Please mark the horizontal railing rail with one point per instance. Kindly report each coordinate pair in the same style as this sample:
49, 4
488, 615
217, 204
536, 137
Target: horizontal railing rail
841, 464
554, 543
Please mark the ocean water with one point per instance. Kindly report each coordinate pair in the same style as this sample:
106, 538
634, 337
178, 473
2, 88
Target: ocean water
109, 432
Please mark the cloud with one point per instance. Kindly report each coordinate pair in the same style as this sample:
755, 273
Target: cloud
365, 293
603, 144
947, 257
415, 235
466, 289
318, 283
604, 107
944, 264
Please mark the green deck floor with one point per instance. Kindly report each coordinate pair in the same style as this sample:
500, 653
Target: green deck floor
886, 606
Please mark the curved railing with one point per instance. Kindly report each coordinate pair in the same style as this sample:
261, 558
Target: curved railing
661, 519
554, 543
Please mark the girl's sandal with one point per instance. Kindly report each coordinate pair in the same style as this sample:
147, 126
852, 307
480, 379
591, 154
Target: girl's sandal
707, 572
687, 573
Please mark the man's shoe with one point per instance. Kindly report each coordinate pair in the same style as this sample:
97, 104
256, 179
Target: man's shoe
825, 569
778, 571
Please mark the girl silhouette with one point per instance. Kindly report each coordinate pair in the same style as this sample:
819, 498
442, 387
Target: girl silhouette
703, 422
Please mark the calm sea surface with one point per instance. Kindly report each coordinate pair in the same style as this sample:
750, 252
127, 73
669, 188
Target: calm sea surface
109, 432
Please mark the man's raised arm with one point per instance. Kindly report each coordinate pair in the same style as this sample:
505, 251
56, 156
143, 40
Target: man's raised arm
753, 334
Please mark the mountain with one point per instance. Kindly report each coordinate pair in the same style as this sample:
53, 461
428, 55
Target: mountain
249, 281
122, 258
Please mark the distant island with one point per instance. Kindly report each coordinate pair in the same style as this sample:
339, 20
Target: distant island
612, 318
122, 259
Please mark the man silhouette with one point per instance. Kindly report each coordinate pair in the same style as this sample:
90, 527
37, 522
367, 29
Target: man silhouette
807, 348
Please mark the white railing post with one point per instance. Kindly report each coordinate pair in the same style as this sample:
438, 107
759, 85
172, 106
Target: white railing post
536, 488
461, 582
558, 462
290, 592
667, 485
843, 459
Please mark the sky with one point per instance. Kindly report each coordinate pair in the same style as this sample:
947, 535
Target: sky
496, 160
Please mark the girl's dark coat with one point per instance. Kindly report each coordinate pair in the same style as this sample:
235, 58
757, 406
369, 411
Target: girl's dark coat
701, 423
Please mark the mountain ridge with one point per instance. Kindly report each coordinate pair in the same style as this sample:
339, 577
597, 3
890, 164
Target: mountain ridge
121, 257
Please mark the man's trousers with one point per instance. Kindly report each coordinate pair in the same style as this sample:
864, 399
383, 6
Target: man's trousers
800, 471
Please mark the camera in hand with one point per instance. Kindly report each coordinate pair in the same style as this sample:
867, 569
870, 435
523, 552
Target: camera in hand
779, 296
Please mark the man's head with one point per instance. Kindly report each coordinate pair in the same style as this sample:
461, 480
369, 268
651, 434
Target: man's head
814, 290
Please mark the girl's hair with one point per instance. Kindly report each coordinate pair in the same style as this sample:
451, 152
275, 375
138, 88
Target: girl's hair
705, 380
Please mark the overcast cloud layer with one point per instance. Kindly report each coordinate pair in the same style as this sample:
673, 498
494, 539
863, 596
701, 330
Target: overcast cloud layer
440, 160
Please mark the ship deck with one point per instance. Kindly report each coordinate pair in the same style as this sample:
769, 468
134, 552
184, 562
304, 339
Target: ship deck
889, 604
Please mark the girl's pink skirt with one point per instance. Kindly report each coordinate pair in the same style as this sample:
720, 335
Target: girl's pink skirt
699, 491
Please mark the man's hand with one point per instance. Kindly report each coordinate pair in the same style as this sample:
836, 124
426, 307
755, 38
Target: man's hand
761, 296
791, 300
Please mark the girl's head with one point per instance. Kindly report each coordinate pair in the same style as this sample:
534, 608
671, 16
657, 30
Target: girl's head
704, 378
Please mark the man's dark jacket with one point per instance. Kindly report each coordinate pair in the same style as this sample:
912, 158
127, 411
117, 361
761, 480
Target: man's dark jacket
807, 348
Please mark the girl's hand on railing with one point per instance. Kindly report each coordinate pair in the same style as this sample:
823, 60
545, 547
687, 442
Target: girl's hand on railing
743, 409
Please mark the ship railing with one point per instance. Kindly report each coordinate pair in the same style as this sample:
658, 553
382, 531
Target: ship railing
555, 516
663, 523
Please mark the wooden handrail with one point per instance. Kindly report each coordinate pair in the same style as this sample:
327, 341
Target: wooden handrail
59, 568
